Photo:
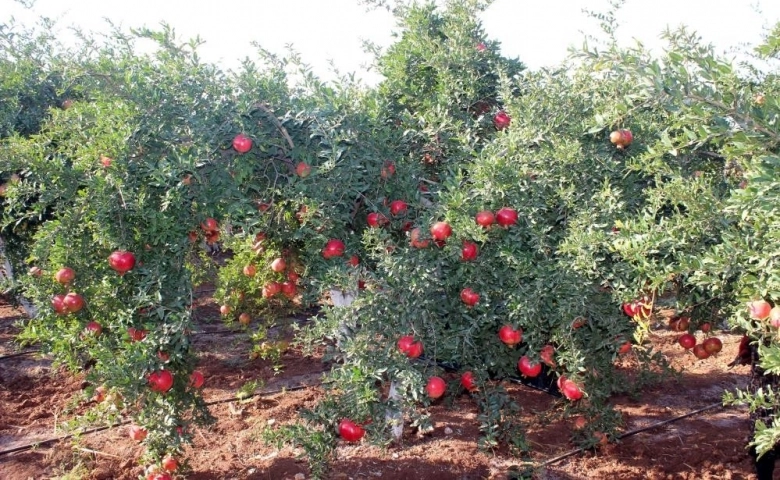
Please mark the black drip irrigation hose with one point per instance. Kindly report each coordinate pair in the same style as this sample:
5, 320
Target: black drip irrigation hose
30, 446
634, 432
19, 354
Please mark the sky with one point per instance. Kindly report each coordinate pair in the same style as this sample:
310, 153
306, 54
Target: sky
538, 32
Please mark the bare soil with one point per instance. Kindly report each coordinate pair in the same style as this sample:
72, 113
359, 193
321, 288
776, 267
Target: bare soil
35, 399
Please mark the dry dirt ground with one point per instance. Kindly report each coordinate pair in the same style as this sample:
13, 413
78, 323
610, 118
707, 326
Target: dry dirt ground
707, 445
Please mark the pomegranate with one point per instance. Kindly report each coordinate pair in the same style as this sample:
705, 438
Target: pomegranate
506, 217
121, 261
435, 387
441, 231
485, 218
65, 275
528, 367
510, 336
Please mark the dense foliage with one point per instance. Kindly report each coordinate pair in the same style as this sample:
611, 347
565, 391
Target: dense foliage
484, 218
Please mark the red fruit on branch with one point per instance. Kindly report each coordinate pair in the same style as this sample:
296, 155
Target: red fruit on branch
759, 309
375, 220
58, 303
415, 240
621, 138
441, 231
93, 328
137, 433
510, 336
405, 342
546, 354
528, 367
435, 387
272, 288
569, 388
242, 143
502, 120
160, 381
121, 261
65, 275
485, 218
212, 238
303, 169
469, 251
197, 379
278, 265
73, 302
638, 308
631, 308
414, 350
398, 207
578, 322
136, 334
506, 217
250, 270
289, 289
209, 225
469, 297
467, 381
350, 431
169, 463
680, 324
334, 248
